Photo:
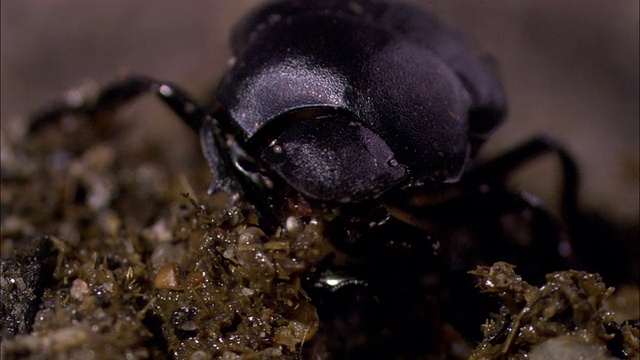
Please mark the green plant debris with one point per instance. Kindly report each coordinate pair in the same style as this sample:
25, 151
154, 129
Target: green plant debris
124, 266
105, 256
564, 318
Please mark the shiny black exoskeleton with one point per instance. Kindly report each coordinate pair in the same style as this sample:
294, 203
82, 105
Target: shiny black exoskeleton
370, 107
373, 108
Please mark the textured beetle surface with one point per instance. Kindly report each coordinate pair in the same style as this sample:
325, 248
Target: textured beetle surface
364, 115
347, 99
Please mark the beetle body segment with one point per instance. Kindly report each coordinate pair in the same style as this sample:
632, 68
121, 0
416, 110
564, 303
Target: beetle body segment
413, 87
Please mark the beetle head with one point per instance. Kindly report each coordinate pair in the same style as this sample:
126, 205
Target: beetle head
329, 156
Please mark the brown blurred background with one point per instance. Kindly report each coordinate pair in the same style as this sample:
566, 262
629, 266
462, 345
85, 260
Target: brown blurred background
570, 69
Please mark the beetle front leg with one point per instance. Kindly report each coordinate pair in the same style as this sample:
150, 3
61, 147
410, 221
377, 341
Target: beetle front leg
120, 93
186, 108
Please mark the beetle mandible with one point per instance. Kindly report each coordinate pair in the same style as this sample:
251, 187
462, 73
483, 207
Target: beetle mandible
340, 104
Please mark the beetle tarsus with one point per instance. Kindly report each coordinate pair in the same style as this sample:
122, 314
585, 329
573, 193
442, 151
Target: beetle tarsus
496, 170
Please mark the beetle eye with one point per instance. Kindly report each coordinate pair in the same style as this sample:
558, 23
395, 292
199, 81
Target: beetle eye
334, 158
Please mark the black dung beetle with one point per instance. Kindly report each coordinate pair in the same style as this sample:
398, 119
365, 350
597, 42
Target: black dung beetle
366, 114
340, 101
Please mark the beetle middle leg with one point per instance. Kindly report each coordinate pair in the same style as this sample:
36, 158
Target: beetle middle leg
496, 170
